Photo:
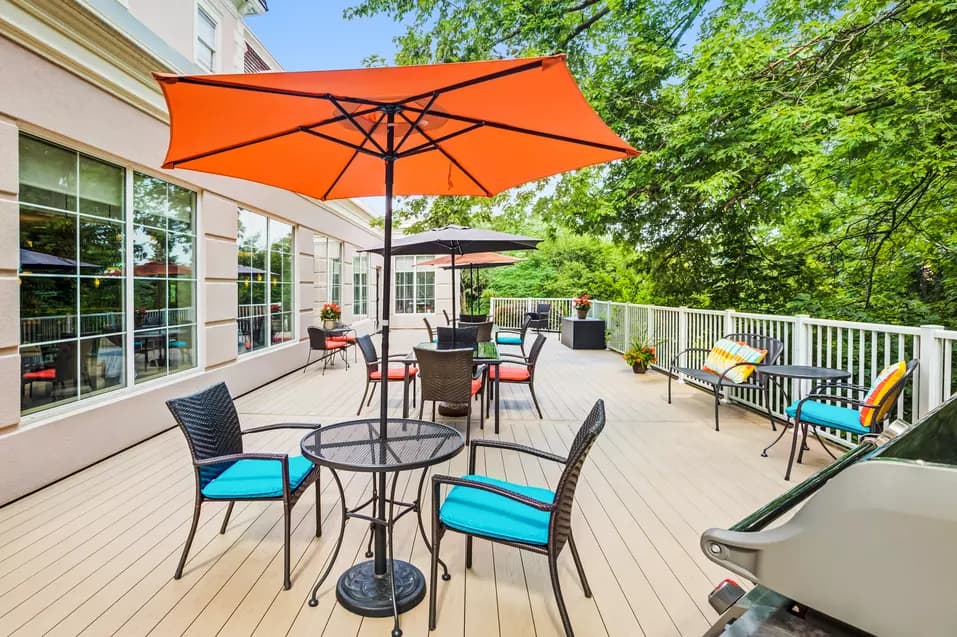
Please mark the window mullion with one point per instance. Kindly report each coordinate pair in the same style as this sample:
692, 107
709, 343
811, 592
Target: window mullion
130, 306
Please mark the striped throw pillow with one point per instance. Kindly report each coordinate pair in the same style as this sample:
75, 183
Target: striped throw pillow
727, 353
883, 384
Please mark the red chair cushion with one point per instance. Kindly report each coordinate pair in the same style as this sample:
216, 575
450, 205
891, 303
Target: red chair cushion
43, 374
509, 373
341, 339
476, 385
395, 373
335, 344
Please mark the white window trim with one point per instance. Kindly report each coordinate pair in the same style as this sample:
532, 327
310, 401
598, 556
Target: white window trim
415, 270
216, 19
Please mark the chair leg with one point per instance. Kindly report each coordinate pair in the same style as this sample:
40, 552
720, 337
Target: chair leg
559, 600
669, 386
794, 441
287, 582
433, 411
363, 401
189, 539
433, 573
468, 423
318, 508
468, 551
415, 391
717, 403
229, 510
803, 443
535, 400
374, 385
421, 409
308, 358
578, 565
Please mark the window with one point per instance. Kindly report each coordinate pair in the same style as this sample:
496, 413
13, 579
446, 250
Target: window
265, 280
164, 278
414, 287
72, 275
205, 40
360, 284
335, 271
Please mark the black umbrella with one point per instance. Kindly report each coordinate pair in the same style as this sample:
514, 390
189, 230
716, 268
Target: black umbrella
457, 241
34, 259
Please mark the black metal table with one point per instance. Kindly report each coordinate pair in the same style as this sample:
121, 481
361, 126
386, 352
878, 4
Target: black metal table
342, 330
486, 354
381, 586
779, 373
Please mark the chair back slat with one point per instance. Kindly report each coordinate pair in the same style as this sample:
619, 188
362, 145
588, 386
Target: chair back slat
210, 423
525, 323
445, 375
561, 522
428, 326
448, 319
369, 353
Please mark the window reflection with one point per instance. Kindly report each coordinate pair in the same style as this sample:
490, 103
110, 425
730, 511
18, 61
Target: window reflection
265, 282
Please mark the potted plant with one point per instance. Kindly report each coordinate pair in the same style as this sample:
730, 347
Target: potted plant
640, 355
330, 315
582, 305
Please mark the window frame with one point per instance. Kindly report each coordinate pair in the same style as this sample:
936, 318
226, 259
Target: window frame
205, 14
417, 274
360, 282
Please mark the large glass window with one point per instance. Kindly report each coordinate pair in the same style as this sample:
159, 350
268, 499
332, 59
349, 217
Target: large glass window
360, 284
335, 271
164, 277
72, 275
205, 40
414, 287
266, 312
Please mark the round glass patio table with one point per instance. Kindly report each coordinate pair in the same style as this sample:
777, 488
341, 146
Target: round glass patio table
381, 586
798, 372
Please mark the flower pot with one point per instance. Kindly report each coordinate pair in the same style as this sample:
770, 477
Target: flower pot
639, 368
329, 324
582, 314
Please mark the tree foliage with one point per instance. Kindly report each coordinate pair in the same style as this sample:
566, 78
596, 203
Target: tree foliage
798, 156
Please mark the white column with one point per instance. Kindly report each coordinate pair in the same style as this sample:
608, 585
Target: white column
929, 378
683, 335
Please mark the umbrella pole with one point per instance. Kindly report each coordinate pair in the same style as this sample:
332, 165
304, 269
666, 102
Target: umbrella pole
455, 292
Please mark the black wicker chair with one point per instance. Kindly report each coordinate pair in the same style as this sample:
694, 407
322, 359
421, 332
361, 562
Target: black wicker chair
374, 370
329, 346
456, 337
540, 317
528, 518
225, 473
449, 375
719, 383
514, 337
518, 370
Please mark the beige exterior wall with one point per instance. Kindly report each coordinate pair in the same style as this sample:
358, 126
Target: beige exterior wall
116, 121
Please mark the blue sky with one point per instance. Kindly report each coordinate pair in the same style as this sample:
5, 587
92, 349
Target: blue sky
307, 35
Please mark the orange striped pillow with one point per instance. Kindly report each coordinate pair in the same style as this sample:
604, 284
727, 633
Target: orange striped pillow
883, 384
727, 353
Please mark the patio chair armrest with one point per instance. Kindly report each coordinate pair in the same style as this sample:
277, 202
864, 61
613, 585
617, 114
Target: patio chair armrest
510, 446
507, 330
839, 385
282, 425
438, 481
517, 357
685, 351
398, 356
281, 457
724, 374
478, 371
838, 399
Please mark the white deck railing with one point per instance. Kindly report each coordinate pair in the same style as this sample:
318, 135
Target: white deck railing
863, 349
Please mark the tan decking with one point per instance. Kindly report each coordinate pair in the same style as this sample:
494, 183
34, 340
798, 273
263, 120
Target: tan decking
94, 554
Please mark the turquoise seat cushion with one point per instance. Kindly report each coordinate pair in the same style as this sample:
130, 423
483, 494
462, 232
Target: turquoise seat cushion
508, 339
824, 415
255, 478
482, 513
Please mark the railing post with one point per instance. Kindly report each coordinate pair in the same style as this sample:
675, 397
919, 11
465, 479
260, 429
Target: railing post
682, 334
626, 308
729, 322
650, 324
800, 351
491, 308
929, 381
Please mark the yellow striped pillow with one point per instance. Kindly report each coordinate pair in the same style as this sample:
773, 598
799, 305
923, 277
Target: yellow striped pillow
727, 353
883, 384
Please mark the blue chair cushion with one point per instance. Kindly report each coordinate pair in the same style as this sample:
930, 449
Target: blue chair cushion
482, 513
256, 478
508, 339
834, 416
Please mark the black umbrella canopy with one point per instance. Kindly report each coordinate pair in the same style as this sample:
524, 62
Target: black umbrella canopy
458, 240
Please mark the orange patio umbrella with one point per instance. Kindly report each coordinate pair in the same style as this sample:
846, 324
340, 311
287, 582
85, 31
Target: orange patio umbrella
474, 261
474, 128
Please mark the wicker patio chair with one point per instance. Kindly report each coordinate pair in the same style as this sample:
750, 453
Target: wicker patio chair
719, 383
428, 326
540, 317
374, 370
225, 473
525, 517
519, 370
514, 337
449, 375
457, 337
816, 410
319, 342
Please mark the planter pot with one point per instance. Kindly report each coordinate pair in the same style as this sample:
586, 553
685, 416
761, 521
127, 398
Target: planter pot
582, 314
639, 368
328, 324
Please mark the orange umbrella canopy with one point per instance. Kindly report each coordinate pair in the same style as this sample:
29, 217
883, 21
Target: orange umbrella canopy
471, 128
474, 260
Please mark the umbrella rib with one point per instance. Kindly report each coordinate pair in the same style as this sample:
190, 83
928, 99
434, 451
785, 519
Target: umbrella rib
342, 142
423, 148
450, 158
275, 91
528, 131
418, 118
355, 154
476, 80
366, 134
258, 140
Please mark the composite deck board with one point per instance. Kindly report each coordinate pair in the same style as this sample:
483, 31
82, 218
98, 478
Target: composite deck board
94, 554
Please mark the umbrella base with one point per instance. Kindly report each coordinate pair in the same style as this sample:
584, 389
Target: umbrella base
364, 593
453, 409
